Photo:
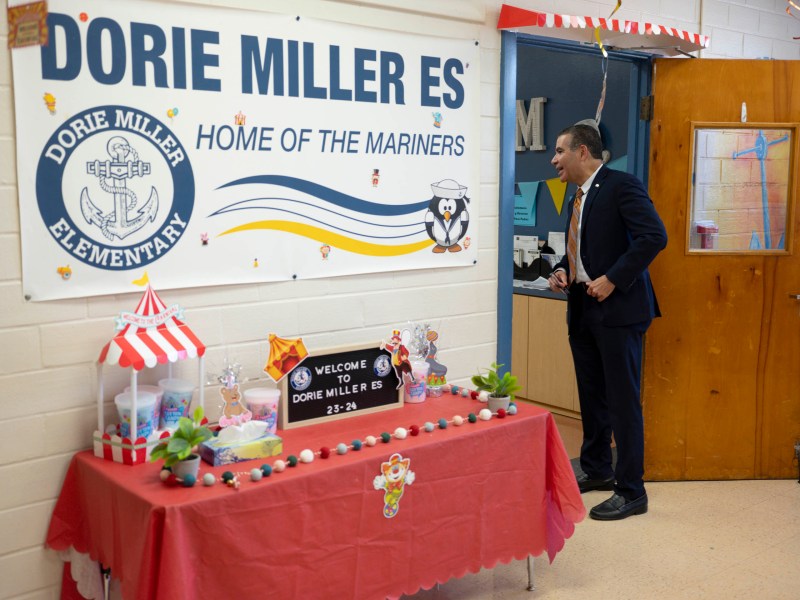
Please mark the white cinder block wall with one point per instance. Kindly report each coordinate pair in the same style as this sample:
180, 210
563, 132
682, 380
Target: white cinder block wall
47, 349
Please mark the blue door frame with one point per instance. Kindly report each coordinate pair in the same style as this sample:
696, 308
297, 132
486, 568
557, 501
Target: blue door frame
637, 152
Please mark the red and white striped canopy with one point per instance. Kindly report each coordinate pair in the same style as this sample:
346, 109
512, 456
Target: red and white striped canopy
629, 35
152, 334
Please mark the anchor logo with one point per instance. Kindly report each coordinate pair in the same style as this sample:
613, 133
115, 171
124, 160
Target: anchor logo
113, 174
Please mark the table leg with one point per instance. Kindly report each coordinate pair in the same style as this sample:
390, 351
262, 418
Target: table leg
106, 582
531, 585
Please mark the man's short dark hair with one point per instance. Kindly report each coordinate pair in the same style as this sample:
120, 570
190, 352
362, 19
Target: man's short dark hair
584, 135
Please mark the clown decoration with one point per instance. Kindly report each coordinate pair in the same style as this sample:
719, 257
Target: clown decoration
395, 475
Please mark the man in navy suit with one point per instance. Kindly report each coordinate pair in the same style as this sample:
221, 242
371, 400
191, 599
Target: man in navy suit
610, 304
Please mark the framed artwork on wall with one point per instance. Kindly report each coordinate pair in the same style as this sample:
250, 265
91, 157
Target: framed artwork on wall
742, 187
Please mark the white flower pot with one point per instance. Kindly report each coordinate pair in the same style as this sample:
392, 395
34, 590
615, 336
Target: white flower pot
189, 466
498, 402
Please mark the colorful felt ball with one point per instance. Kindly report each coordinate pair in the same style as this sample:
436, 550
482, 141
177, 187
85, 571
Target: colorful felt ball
171, 479
266, 470
278, 466
512, 409
291, 460
227, 476
464, 393
485, 414
341, 448
442, 423
473, 394
209, 479
454, 390
307, 456
164, 474
458, 420
189, 480
386, 437
370, 440
472, 418
429, 426
483, 396
401, 433
324, 452
501, 413
356, 444
256, 475
414, 430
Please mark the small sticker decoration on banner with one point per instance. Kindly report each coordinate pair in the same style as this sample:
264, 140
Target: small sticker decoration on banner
50, 102
395, 475
325, 251
240, 119
65, 272
437, 119
27, 25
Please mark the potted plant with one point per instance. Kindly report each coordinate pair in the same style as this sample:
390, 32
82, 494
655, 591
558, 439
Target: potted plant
177, 449
501, 388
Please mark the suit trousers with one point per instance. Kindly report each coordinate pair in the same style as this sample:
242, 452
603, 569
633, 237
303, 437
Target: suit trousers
608, 366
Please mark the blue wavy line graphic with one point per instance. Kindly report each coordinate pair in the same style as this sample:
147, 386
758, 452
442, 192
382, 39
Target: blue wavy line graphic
235, 207
354, 233
330, 195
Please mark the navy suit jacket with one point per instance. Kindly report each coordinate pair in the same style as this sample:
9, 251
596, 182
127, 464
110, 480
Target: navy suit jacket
621, 233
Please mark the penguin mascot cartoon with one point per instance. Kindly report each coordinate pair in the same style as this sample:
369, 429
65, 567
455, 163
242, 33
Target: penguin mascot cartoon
447, 218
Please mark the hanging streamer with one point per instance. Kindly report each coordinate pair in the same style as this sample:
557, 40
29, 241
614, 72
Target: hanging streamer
602, 101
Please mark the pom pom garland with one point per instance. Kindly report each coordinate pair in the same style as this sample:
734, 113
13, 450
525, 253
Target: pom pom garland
306, 456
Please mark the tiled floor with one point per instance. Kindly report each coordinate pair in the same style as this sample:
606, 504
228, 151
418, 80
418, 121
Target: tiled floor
700, 540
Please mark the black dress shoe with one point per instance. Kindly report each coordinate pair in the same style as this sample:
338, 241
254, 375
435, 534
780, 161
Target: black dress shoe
617, 507
587, 484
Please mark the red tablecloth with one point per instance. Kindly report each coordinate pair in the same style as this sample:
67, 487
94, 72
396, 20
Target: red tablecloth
484, 492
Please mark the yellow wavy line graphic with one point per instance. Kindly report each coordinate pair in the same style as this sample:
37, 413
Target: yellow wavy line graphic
335, 240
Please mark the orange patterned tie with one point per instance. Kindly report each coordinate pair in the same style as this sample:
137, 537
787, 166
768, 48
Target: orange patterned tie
572, 241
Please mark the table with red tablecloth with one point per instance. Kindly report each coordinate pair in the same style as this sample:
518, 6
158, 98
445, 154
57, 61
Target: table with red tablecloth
482, 492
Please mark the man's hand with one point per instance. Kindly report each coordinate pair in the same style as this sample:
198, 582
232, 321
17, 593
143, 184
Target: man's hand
600, 288
558, 281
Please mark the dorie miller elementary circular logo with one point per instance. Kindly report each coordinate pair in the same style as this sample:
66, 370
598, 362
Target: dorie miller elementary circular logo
115, 187
300, 379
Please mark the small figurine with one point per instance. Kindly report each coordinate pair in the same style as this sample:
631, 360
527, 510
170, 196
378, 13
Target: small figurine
376, 176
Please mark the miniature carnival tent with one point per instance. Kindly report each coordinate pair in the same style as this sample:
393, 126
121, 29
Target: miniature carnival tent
152, 334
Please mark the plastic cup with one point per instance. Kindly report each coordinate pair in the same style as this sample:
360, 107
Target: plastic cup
415, 391
263, 404
144, 413
153, 389
175, 401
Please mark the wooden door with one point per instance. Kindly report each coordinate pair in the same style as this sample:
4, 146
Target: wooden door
721, 380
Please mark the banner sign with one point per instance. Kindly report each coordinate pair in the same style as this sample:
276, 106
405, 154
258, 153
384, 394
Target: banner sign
217, 146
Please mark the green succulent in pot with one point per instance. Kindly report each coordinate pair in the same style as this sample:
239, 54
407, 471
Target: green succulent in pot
178, 447
499, 386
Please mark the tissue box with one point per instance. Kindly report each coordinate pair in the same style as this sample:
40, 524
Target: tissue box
219, 452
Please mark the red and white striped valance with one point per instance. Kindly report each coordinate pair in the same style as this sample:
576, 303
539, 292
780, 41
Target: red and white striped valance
151, 335
630, 35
